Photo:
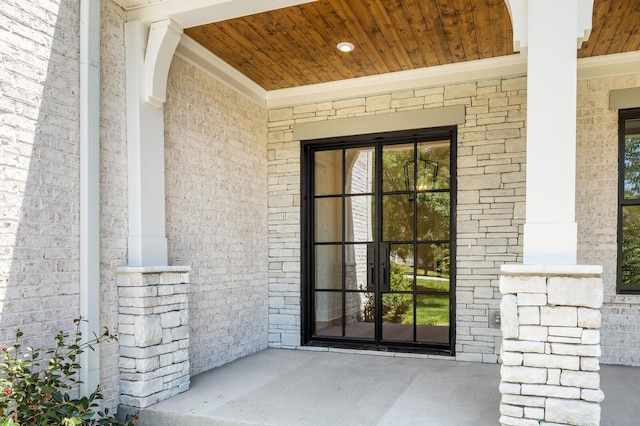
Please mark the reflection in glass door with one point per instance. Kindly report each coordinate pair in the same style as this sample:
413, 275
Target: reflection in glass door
379, 242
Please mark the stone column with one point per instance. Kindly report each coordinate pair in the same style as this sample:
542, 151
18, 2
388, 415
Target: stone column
551, 345
153, 328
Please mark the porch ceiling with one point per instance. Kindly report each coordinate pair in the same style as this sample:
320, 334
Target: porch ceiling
296, 46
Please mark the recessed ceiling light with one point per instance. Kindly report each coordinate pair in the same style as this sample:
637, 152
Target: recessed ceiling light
345, 46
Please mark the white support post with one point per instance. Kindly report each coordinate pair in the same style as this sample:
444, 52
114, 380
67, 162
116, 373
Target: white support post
550, 231
148, 56
90, 190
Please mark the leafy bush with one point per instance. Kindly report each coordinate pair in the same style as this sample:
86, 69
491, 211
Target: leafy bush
34, 391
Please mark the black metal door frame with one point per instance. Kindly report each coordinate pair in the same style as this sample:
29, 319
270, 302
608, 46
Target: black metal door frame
376, 268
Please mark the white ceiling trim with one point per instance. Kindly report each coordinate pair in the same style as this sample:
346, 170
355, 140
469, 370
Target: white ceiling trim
482, 69
609, 65
192, 13
195, 54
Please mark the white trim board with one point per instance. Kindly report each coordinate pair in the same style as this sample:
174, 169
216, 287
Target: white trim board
404, 120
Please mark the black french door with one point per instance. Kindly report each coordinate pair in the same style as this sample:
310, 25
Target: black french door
378, 241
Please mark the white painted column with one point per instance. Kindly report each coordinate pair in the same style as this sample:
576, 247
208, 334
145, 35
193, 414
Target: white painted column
149, 51
90, 191
550, 231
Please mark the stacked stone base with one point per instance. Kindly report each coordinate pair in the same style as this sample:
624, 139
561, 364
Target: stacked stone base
153, 327
551, 345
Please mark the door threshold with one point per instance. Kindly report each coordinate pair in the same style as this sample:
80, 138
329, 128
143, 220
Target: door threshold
391, 352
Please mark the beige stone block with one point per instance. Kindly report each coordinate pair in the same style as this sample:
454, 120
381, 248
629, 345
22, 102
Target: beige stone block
572, 412
589, 318
511, 358
509, 316
516, 421
514, 84
535, 333
585, 292
551, 391
509, 388
519, 374
460, 91
551, 361
487, 181
524, 400
592, 395
589, 363
580, 379
503, 134
534, 413
532, 299
529, 315
590, 337
511, 410
581, 350
375, 103
566, 331
511, 284
281, 114
559, 316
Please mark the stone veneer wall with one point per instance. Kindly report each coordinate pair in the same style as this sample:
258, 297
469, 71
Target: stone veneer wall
216, 191
153, 327
551, 345
597, 212
490, 210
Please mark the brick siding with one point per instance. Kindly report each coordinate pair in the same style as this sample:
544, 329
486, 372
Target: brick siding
216, 179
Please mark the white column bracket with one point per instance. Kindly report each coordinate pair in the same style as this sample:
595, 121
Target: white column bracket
164, 37
518, 10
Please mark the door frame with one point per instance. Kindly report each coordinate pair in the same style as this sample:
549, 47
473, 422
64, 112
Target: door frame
306, 181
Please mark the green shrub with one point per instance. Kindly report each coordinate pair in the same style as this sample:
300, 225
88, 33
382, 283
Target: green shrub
35, 391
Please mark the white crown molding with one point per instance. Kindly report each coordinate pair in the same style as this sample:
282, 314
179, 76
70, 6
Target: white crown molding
609, 65
192, 13
193, 52
504, 66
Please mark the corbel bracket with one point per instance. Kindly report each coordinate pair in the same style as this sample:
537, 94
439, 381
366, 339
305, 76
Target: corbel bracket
164, 37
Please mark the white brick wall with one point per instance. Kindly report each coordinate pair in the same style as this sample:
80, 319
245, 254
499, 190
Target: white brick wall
596, 212
216, 180
39, 168
491, 154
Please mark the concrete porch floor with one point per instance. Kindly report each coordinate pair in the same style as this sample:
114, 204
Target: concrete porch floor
300, 387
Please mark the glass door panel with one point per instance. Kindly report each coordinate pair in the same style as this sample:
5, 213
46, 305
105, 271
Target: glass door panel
328, 313
432, 318
360, 170
328, 172
434, 216
381, 243
328, 219
328, 267
397, 218
360, 315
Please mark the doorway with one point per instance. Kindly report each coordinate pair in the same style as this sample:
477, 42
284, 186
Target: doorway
378, 243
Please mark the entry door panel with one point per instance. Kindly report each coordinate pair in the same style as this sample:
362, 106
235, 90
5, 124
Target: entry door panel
380, 221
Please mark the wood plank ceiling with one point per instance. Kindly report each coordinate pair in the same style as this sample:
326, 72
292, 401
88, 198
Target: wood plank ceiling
296, 46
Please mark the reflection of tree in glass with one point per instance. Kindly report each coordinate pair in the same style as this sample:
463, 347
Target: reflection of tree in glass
632, 167
631, 216
631, 247
433, 208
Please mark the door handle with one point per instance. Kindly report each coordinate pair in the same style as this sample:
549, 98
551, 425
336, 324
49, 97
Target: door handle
385, 266
371, 267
